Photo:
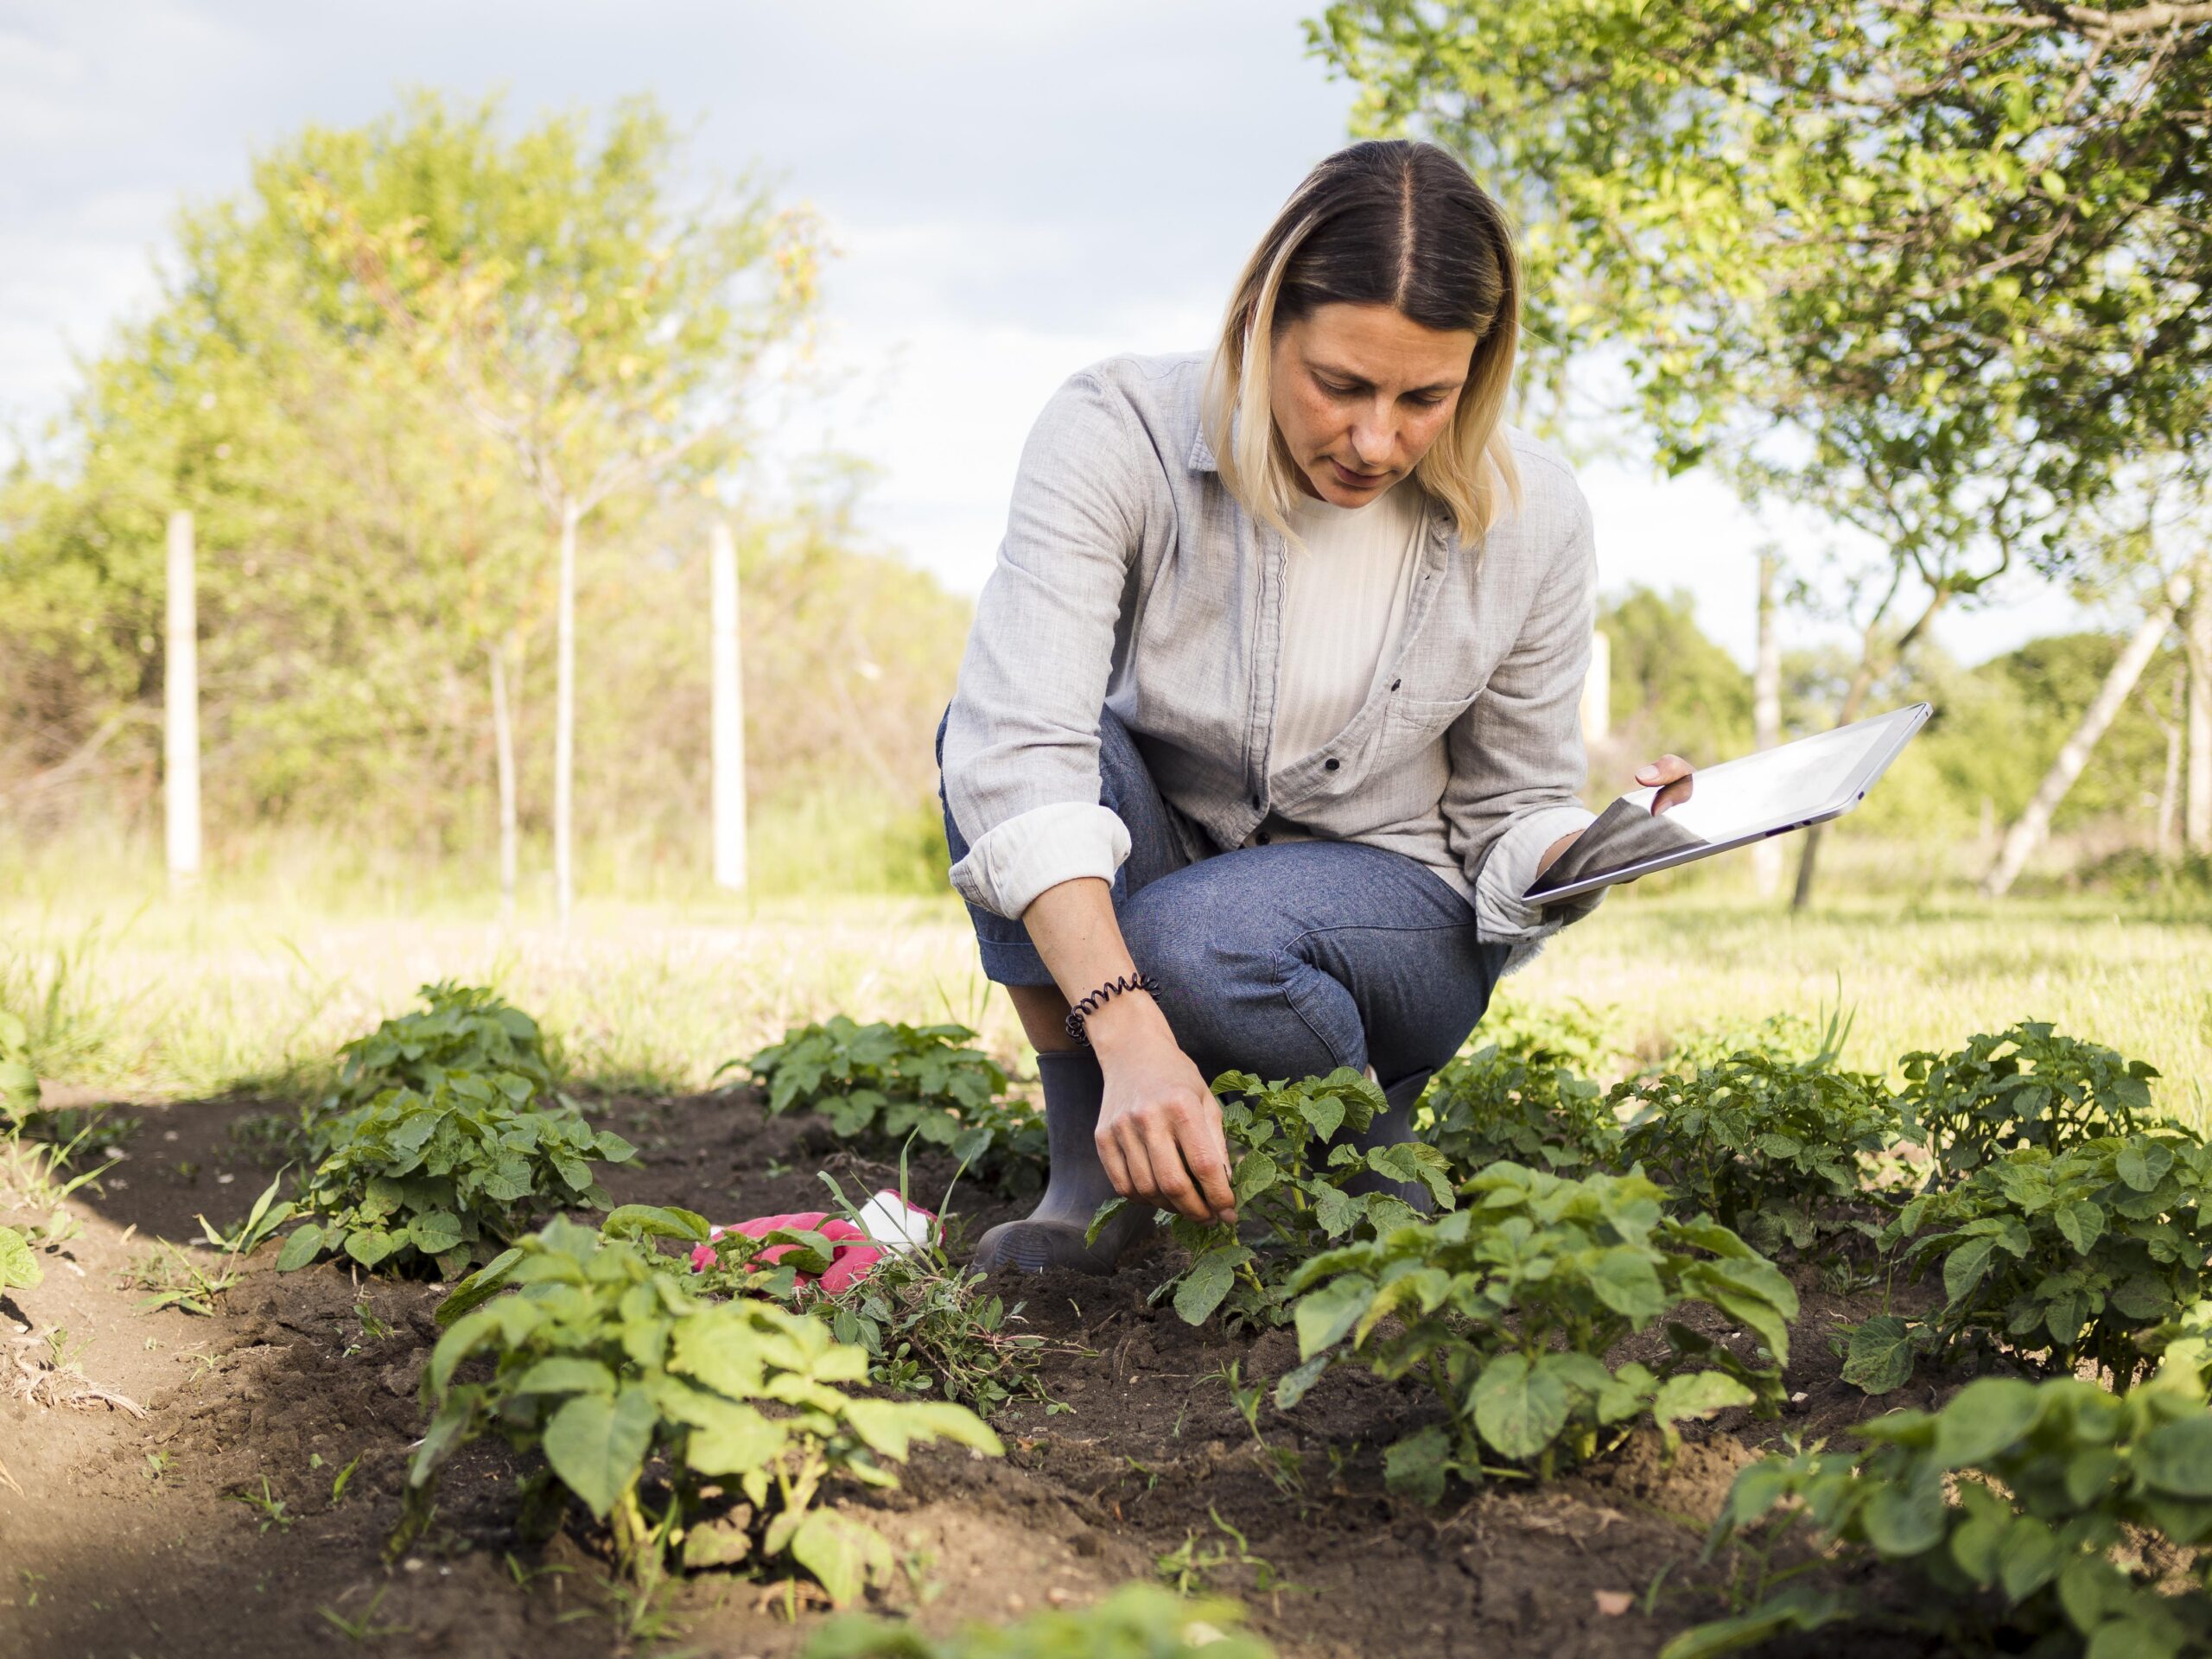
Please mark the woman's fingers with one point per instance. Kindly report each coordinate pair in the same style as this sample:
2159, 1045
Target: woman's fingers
1170, 1177
1206, 1150
1674, 775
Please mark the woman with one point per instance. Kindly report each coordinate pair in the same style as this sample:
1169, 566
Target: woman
1269, 713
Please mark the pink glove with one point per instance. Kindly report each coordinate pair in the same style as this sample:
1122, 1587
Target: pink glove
854, 1256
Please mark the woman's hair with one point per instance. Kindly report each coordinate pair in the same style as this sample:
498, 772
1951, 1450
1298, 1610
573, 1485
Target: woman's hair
1388, 222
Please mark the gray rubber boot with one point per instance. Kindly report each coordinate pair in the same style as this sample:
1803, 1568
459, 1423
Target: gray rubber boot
1075, 1186
1387, 1128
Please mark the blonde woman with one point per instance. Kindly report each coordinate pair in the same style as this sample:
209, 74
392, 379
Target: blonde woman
1269, 713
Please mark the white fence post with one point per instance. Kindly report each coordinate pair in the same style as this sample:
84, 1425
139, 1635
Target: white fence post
728, 712
181, 711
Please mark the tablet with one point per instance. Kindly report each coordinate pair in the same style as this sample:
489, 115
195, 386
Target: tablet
1732, 804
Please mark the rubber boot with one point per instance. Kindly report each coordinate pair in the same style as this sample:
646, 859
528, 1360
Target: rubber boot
1076, 1183
1387, 1128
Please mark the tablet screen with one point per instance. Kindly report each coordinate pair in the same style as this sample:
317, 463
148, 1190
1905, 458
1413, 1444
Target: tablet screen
1736, 799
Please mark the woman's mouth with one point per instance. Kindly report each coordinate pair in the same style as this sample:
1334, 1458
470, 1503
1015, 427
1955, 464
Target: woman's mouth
1352, 481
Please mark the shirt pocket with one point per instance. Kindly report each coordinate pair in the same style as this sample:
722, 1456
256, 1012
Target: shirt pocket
1412, 724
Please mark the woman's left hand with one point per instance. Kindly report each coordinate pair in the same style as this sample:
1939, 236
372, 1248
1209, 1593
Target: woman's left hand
1672, 774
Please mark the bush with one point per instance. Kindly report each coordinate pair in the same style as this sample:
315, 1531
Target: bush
2024, 1507
1493, 1106
1772, 1148
730, 1418
453, 1174
2082, 1255
1290, 1182
1138, 1621
2024, 1086
881, 1083
1507, 1307
465, 1029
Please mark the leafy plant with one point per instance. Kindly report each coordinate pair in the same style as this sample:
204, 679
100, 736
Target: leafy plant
19, 1091
2080, 1254
465, 1029
2033, 1498
2026, 1086
1787, 1036
450, 1175
701, 1431
1775, 1149
1290, 1177
1494, 1106
19, 1268
1138, 1621
881, 1083
1507, 1307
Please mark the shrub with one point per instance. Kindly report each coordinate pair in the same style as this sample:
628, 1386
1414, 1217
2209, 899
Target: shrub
1290, 1179
2082, 1255
1507, 1307
1488, 1107
881, 1083
464, 1029
1138, 1621
1771, 1149
2034, 1499
2024, 1086
453, 1174
727, 1417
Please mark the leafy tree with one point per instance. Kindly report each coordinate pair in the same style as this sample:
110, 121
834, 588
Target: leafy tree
1671, 684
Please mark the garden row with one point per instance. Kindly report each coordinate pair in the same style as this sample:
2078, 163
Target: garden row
699, 1403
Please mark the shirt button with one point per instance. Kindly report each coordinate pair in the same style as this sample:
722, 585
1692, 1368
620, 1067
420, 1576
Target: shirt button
1329, 766
1256, 803
1395, 684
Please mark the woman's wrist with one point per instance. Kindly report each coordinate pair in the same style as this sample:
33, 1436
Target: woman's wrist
1127, 1024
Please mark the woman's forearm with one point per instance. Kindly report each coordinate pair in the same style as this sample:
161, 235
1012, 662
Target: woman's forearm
1073, 927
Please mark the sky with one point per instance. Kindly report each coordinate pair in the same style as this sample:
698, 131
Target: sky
1015, 190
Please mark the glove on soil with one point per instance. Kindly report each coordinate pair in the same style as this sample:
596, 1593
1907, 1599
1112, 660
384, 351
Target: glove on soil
1076, 1183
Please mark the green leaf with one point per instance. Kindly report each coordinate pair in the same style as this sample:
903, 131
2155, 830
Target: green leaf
1985, 1417
2027, 1559
1291, 1386
19, 1268
2143, 1164
435, 1233
1207, 1282
303, 1246
1418, 1464
1695, 1394
1881, 1355
2176, 1456
565, 1374
1336, 1211
478, 1288
1964, 1268
2081, 1222
370, 1245
1624, 1280
1325, 1315
1519, 1409
1902, 1521
845, 1554
597, 1445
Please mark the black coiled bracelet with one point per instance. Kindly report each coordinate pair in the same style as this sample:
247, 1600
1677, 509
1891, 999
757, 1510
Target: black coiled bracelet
1090, 1004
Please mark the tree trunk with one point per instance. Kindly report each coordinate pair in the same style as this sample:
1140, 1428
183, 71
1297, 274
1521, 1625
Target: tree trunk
564, 722
503, 748
181, 711
1854, 699
728, 710
2196, 638
1766, 713
2025, 836
2170, 785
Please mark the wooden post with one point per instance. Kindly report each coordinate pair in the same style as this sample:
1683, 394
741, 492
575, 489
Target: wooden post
503, 750
728, 711
564, 721
1766, 711
1598, 691
2196, 639
180, 711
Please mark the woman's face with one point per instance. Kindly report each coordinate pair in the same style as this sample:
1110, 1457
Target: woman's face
1359, 393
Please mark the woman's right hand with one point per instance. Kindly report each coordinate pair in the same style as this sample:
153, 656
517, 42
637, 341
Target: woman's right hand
1159, 1133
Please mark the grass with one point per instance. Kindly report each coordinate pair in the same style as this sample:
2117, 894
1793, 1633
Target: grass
254, 983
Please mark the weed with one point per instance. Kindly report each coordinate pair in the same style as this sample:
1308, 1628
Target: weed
342, 1479
1281, 1463
272, 1507
1189, 1567
157, 1464
364, 1629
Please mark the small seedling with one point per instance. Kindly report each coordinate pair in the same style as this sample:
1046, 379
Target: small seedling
157, 1464
364, 1629
1189, 1566
338, 1483
272, 1507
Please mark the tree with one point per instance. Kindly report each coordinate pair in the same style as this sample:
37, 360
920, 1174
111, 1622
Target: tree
604, 334
1932, 271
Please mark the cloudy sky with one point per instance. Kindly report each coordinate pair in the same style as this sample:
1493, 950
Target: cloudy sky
1017, 189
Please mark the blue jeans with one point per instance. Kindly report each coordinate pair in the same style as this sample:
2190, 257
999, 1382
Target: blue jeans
1286, 961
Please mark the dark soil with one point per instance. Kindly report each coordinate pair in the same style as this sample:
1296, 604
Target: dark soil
122, 1535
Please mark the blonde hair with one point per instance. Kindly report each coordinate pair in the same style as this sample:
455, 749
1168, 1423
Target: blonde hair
1387, 222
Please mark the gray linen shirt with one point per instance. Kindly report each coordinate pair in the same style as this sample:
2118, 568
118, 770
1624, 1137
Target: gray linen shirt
1131, 578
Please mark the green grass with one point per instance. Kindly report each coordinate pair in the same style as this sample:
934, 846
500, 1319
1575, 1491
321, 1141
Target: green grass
256, 982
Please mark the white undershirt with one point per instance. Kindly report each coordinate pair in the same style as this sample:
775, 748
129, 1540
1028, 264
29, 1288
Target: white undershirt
1345, 595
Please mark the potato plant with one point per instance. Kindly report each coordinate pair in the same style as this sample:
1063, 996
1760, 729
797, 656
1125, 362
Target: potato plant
881, 1083
1776, 1149
465, 1029
1507, 1307
2024, 1086
2079, 1254
1291, 1178
451, 1176
1495, 1106
701, 1433
1138, 1621
2024, 1508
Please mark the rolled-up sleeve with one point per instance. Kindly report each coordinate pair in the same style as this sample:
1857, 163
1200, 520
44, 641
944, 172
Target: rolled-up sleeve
1021, 740
1517, 754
